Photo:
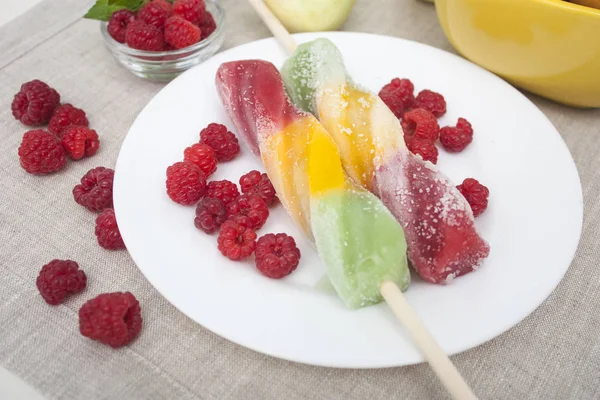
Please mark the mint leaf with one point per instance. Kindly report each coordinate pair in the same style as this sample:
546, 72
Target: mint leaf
103, 9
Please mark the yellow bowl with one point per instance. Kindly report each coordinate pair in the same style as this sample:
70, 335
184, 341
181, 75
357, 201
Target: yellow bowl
547, 47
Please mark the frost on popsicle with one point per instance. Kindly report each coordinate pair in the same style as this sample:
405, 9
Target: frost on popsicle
438, 223
358, 239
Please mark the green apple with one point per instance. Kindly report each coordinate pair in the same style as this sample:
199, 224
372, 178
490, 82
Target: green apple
311, 15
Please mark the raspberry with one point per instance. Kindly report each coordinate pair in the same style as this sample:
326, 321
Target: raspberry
256, 183
476, 195
208, 25
456, 138
117, 24
223, 142
186, 183
35, 103
210, 214
65, 116
398, 96
425, 148
190, 10
432, 102
181, 33
80, 141
58, 279
111, 318
277, 255
202, 156
236, 241
249, 210
95, 190
154, 14
107, 231
420, 123
224, 190
142, 36
41, 153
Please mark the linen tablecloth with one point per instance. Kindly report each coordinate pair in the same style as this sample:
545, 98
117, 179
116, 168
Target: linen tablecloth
552, 354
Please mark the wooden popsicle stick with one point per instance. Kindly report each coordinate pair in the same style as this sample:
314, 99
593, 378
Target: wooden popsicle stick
435, 356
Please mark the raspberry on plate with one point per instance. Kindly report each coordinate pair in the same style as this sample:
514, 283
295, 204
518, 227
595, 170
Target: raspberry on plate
432, 102
191, 10
236, 241
223, 142
186, 183
154, 14
210, 214
424, 148
208, 25
58, 279
181, 33
143, 36
95, 190
276, 255
476, 195
41, 153
117, 24
251, 211
202, 156
256, 183
398, 95
114, 319
80, 141
35, 103
420, 123
457, 138
107, 231
64, 116
224, 190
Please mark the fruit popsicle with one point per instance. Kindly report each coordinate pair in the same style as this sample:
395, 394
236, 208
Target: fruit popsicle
358, 239
438, 222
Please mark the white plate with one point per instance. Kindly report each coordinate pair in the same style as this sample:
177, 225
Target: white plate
533, 221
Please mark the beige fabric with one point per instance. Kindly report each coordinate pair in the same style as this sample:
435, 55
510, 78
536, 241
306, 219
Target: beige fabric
553, 354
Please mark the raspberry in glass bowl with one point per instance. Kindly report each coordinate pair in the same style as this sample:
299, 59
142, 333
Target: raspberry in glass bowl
165, 65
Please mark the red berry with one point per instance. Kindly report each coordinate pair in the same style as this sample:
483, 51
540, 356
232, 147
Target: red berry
476, 195
277, 255
210, 214
224, 190
111, 318
425, 148
223, 142
117, 25
80, 141
181, 33
236, 241
154, 14
420, 123
186, 183
35, 103
143, 36
65, 116
256, 183
58, 279
202, 156
432, 102
107, 231
191, 10
249, 210
456, 138
95, 190
398, 95
208, 25
41, 153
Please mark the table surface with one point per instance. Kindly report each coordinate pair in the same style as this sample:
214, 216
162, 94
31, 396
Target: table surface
554, 353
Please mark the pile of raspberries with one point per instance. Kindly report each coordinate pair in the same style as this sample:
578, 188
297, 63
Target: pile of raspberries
162, 26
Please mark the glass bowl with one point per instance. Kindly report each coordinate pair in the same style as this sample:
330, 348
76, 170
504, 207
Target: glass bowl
163, 66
